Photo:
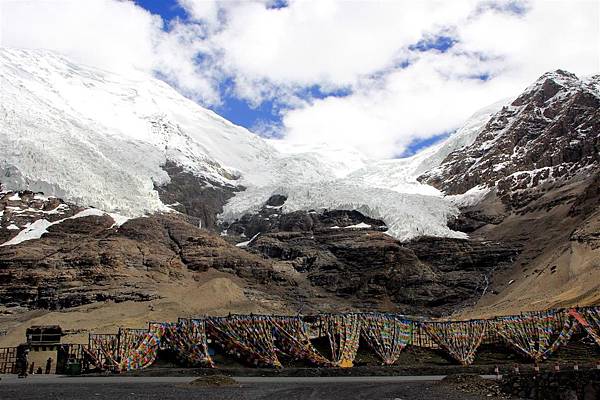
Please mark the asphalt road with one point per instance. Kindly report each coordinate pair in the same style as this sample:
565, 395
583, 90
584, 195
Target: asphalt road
51, 387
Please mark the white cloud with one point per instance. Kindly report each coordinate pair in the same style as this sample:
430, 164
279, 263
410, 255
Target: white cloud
276, 53
108, 34
437, 92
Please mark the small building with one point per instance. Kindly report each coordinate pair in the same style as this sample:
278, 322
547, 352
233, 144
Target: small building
43, 342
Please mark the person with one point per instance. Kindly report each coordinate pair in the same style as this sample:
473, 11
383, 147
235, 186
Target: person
21, 363
48, 365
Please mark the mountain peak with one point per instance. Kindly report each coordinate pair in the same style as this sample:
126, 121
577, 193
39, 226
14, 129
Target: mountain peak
547, 86
549, 132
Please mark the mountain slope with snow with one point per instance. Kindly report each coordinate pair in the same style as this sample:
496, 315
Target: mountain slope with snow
99, 139
549, 132
401, 174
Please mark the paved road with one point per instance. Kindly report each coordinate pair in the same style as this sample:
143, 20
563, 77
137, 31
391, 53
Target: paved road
49, 387
59, 379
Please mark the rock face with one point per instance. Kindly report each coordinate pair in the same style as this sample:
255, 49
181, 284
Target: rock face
195, 196
373, 271
536, 167
271, 219
348, 256
330, 260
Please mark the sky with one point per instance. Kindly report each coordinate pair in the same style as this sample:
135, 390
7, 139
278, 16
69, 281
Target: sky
384, 78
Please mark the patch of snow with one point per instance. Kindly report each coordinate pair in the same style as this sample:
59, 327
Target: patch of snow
38, 228
119, 219
500, 166
361, 225
334, 227
15, 197
41, 197
12, 227
247, 242
470, 197
58, 210
33, 231
88, 213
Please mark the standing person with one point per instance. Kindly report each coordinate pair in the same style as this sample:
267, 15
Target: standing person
22, 363
48, 365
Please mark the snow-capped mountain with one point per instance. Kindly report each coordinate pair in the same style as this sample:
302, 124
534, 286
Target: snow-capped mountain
309, 221
99, 139
549, 132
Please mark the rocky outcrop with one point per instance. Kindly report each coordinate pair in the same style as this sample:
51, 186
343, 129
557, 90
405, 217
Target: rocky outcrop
270, 218
373, 271
89, 259
195, 196
328, 260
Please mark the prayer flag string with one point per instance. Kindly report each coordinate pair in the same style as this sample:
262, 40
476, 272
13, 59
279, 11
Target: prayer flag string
386, 334
459, 339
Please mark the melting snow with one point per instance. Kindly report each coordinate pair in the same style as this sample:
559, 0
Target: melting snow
33, 231
247, 242
406, 215
119, 219
38, 228
361, 225
470, 197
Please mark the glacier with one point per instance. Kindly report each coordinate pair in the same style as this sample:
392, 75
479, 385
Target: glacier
100, 139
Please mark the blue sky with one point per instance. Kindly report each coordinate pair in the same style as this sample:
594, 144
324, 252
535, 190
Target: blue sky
236, 110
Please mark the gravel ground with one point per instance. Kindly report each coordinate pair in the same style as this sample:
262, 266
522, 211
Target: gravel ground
286, 391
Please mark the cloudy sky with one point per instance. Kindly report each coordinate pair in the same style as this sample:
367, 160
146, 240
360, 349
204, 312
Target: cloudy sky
384, 77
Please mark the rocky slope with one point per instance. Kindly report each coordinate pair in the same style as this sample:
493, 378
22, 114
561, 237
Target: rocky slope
530, 179
549, 132
315, 261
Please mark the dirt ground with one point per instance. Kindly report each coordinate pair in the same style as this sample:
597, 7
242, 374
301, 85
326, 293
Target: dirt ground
209, 293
